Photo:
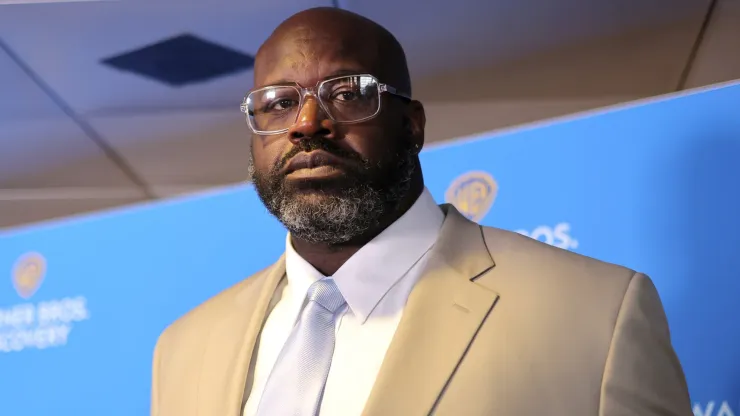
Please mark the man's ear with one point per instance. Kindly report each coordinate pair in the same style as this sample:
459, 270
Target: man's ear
415, 120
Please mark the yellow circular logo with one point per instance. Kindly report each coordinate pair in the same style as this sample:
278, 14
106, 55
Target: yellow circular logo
28, 274
472, 194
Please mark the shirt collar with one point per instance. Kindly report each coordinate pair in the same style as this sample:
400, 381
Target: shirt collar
368, 275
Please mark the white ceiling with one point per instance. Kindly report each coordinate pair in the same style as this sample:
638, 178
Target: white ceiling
62, 44
174, 148
442, 35
66, 121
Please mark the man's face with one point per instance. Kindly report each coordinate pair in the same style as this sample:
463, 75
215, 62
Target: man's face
354, 173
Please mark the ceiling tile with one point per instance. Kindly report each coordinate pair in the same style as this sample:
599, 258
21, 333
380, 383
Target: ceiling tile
21, 98
65, 43
591, 70
718, 59
53, 152
19, 213
204, 148
438, 37
463, 120
566, 81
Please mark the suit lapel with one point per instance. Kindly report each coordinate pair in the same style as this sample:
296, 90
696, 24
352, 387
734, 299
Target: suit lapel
443, 313
231, 344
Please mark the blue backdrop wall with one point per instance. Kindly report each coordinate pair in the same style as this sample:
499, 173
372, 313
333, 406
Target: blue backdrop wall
652, 186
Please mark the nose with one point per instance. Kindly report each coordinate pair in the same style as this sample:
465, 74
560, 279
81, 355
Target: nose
312, 121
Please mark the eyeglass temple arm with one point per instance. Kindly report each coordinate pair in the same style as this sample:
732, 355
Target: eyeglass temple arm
393, 90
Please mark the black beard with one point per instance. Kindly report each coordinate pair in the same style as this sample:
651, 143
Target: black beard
346, 208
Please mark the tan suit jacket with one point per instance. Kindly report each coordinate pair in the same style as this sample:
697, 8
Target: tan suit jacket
499, 324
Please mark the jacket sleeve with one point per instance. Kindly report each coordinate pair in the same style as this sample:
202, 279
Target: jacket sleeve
642, 375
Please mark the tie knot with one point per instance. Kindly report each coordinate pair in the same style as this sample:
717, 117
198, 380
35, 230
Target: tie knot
326, 293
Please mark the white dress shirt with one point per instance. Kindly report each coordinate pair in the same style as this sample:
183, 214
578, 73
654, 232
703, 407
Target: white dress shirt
375, 282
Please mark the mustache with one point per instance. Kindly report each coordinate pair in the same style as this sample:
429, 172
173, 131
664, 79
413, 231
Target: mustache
316, 143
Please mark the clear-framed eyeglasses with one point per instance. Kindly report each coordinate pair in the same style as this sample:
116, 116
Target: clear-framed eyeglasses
346, 99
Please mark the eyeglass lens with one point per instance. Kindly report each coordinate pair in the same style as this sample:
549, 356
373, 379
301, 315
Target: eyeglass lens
346, 99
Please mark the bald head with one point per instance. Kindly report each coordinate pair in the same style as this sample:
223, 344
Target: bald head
339, 166
316, 41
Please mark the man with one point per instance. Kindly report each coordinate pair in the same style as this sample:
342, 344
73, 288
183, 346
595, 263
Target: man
385, 303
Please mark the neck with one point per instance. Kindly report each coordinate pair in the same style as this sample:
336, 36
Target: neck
327, 259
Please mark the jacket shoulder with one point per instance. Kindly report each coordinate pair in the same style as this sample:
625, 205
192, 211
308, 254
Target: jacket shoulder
528, 258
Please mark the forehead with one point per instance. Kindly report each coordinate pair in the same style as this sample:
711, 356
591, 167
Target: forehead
307, 56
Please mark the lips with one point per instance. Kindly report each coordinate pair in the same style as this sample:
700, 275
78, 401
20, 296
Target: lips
312, 160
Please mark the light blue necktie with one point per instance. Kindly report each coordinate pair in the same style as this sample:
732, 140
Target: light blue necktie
296, 384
